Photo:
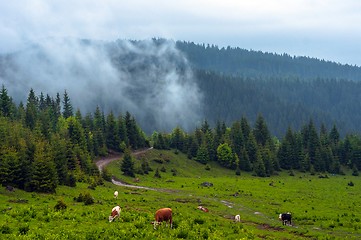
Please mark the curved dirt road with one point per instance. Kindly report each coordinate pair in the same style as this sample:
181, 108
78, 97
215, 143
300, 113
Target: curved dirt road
101, 163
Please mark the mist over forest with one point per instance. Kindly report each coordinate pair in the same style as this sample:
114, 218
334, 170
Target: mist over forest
165, 84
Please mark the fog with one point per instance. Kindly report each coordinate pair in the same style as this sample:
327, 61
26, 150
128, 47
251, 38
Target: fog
150, 79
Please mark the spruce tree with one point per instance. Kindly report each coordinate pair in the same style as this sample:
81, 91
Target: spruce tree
127, 166
67, 107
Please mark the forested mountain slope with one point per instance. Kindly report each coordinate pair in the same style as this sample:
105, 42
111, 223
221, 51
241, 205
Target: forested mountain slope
282, 102
249, 63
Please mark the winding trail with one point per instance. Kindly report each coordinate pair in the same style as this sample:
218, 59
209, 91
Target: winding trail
102, 162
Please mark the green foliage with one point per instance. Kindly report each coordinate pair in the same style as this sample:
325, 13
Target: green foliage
86, 198
60, 205
5, 229
225, 156
106, 175
157, 173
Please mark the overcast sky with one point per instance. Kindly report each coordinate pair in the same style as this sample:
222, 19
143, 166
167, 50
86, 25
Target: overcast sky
326, 29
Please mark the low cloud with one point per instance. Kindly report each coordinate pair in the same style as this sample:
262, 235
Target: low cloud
150, 79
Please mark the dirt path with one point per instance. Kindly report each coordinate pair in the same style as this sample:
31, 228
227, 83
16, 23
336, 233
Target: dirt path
102, 162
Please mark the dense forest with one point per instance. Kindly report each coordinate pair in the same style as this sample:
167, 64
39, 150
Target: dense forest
46, 144
235, 61
283, 102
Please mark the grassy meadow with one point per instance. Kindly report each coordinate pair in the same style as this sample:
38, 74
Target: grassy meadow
323, 206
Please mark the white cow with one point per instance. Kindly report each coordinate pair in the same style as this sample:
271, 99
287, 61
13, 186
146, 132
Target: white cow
115, 213
237, 218
116, 194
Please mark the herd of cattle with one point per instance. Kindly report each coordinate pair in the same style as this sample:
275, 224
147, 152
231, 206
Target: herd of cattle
165, 215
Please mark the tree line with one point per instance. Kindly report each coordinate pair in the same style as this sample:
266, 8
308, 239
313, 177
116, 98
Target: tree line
242, 147
45, 143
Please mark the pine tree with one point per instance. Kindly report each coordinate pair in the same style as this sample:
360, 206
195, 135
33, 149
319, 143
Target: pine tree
6, 105
31, 111
177, 139
127, 166
122, 131
43, 177
252, 148
261, 132
202, 154
111, 133
259, 167
244, 163
67, 107
236, 137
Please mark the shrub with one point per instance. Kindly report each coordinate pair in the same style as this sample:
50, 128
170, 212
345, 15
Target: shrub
174, 171
199, 221
106, 175
157, 174
157, 160
4, 229
60, 205
88, 199
24, 229
71, 181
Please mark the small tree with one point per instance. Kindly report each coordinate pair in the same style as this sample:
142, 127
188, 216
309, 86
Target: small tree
157, 174
127, 165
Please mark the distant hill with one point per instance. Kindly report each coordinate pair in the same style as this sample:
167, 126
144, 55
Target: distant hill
257, 64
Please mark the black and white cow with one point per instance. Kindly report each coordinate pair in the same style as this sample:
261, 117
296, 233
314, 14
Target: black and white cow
286, 218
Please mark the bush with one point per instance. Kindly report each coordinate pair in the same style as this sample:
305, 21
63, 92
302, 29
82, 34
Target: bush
157, 174
71, 181
106, 175
4, 229
157, 160
60, 205
86, 198
174, 171
24, 229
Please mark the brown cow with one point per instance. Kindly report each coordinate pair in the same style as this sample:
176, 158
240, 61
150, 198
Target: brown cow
202, 208
163, 215
115, 213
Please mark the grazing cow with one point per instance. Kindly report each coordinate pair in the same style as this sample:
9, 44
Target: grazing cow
115, 213
163, 215
116, 194
286, 218
237, 218
202, 208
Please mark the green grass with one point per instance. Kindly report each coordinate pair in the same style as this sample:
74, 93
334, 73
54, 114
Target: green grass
322, 208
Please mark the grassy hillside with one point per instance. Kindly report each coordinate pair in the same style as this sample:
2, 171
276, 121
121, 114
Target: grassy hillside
323, 208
